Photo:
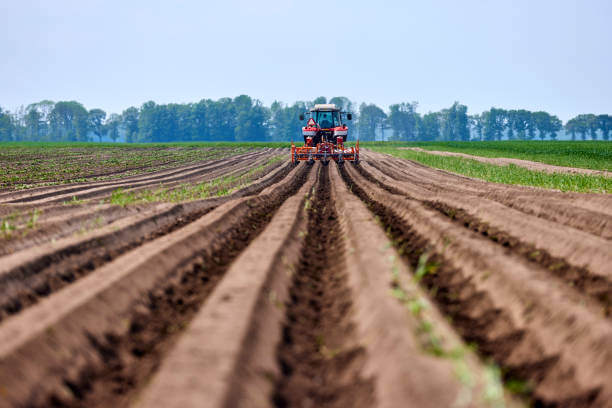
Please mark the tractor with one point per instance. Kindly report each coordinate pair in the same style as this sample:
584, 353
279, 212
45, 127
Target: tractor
324, 136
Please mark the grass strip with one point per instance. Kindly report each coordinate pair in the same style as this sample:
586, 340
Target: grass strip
510, 174
594, 155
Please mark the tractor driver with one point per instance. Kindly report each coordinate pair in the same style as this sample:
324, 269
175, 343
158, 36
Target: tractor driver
325, 120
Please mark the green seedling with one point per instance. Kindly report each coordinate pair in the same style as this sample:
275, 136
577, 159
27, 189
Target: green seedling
424, 267
31, 224
6, 228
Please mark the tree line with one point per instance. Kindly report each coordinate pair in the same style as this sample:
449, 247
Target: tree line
244, 119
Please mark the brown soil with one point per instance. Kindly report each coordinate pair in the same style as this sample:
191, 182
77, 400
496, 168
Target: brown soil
320, 367
56, 221
598, 287
156, 323
326, 286
97, 189
23, 285
502, 304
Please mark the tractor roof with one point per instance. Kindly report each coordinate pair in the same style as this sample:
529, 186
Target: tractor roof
325, 107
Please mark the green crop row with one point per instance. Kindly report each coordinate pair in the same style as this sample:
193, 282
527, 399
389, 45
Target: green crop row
24, 165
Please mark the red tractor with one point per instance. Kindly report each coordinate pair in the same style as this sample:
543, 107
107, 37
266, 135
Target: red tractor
324, 137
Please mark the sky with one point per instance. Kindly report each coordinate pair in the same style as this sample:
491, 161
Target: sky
532, 54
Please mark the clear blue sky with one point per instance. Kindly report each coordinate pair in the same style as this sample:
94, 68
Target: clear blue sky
550, 55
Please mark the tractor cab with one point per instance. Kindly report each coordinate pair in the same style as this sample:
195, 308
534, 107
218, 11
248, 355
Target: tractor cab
326, 124
324, 136
327, 119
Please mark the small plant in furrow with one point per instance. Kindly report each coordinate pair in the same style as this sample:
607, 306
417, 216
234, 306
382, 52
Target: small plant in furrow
433, 343
7, 228
74, 201
31, 224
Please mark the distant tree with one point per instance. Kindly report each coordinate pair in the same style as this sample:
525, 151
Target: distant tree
284, 123
454, 123
592, 124
531, 126
37, 120
475, 122
6, 126
542, 121
571, 127
112, 126
320, 99
404, 120
146, 122
69, 122
494, 122
33, 124
521, 124
96, 122
199, 118
430, 126
605, 125
583, 124
371, 117
509, 118
554, 126
251, 119
343, 103
129, 120
460, 122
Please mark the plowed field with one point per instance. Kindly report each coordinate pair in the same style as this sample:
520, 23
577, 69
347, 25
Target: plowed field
382, 284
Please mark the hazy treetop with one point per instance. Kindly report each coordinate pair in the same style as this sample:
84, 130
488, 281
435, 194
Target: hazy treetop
539, 55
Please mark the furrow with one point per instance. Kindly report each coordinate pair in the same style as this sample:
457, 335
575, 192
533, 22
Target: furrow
100, 339
55, 222
53, 266
357, 347
66, 188
591, 213
536, 328
209, 164
226, 356
88, 192
320, 362
578, 248
597, 286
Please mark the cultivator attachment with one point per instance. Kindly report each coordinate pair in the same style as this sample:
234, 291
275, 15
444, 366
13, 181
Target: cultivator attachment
325, 152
